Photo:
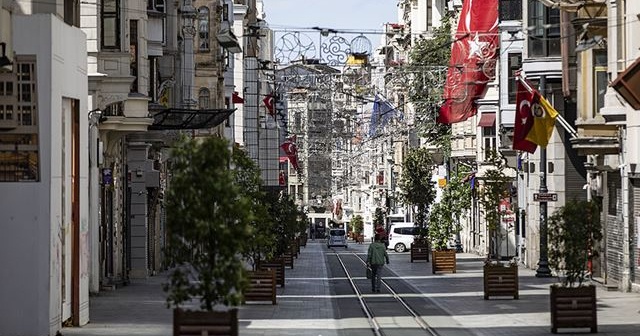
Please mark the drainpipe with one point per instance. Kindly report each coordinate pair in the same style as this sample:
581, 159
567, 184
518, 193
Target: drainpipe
627, 220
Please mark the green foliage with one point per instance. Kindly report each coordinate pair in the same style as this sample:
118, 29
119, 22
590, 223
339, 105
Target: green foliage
428, 64
494, 189
444, 220
208, 223
246, 172
378, 217
357, 224
416, 185
573, 230
289, 221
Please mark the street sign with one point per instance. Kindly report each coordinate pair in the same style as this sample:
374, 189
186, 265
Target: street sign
545, 197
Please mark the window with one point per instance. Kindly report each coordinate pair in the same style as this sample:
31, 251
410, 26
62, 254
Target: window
19, 149
203, 98
72, 12
110, 24
156, 5
225, 13
429, 15
514, 62
488, 141
203, 28
133, 52
600, 78
510, 10
544, 30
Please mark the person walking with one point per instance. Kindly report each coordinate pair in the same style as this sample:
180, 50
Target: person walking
376, 257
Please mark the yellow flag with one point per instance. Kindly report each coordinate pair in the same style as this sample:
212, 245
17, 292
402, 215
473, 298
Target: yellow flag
544, 120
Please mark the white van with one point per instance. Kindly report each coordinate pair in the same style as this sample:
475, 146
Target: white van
337, 237
401, 236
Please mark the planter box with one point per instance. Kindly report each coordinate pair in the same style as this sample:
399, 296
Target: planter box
573, 308
288, 259
262, 286
277, 265
500, 280
187, 322
419, 252
443, 261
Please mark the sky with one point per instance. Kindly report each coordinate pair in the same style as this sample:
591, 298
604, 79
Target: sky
336, 14
291, 21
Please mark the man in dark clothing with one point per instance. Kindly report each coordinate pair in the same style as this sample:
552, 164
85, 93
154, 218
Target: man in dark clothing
376, 257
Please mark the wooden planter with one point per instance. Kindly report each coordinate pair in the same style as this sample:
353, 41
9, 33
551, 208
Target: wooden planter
500, 280
187, 322
573, 307
443, 261
288, 259
277, 265
419, 252
262, 286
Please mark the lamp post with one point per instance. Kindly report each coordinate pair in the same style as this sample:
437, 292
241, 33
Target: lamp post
543, 270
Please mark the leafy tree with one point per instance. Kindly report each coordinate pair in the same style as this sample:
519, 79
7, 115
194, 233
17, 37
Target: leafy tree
416, 186
357, 223
444, 219
495, 188
208, 222
428, 64
247, 176
378, 217
289, 221
573, 232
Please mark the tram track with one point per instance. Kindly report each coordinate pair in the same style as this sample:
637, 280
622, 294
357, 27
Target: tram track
368, 302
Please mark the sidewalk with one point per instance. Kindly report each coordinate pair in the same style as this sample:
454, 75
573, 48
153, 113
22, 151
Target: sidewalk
305, 306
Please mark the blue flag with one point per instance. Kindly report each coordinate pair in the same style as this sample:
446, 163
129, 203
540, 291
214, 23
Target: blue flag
381, 113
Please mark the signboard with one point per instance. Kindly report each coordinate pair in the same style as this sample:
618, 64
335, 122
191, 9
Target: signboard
107, 176
545, 197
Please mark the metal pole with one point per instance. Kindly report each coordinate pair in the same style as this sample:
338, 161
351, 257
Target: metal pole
543, 270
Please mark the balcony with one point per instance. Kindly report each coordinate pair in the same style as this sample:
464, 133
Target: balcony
596, 138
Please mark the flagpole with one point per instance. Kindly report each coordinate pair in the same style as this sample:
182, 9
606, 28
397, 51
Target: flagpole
563, 122
543, 270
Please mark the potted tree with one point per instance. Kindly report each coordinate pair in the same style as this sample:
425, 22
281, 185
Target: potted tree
417, 188
208, 223
444, 221
573, 231
357, 225
500, 278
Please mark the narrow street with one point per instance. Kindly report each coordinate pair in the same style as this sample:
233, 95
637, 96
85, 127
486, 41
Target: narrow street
318, 299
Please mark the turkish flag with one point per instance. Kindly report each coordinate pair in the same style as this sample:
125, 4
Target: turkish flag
236, 99
473, 60
524, 120
268, 103
291, 149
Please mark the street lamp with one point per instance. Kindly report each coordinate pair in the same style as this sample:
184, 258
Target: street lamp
543, 270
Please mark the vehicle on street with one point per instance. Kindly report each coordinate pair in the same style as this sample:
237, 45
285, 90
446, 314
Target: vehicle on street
337, 237
401, 236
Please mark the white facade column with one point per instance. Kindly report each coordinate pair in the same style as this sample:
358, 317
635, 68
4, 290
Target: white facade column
188, 53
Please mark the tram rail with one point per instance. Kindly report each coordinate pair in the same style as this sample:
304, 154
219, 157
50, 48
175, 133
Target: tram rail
376, 327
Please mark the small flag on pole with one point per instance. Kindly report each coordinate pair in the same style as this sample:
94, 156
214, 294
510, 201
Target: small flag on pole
535, 119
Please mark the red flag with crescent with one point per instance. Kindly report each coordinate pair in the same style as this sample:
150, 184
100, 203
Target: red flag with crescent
473, 60
268, 103
291, 150
524, 120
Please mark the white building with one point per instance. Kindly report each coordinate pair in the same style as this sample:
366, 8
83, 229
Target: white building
44, 245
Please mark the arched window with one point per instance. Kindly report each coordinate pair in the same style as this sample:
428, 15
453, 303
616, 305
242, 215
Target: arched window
203, 98
203, 28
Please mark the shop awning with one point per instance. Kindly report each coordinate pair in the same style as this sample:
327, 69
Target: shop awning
182, 118
488, 119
